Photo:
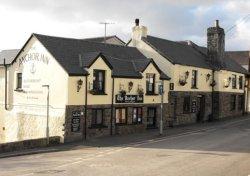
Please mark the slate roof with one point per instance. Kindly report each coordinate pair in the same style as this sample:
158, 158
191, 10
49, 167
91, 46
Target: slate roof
188, 53
102, 39
8, 55
124, 61
242, 57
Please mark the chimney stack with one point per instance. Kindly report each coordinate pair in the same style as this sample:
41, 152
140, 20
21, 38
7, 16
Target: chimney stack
137, 22
138, 32
216, 45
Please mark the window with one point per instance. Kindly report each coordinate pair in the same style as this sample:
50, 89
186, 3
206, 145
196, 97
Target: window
241, 82
121, 115
194, 79
99, 81
97, 117
233, 102
19, 81
234, 81
240, 102
137, 115
150, 84
186, 104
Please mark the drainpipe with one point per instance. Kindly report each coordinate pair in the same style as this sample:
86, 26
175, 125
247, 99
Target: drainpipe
85, 110
5, 92
213, 95
112, 107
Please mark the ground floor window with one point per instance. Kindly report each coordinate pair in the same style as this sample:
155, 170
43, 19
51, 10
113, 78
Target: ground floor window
97, 117
233, 102
121, 115
137, 115
240, 102
186, 105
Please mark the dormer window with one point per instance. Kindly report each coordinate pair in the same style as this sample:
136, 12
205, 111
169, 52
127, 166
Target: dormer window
19, 81
150, 84
99, 81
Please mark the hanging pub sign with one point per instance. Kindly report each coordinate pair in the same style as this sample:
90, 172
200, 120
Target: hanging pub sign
128, 98
75, 121
193, 106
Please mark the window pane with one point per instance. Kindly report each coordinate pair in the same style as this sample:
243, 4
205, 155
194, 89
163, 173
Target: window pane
121, 115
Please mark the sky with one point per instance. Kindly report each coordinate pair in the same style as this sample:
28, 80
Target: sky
170, 19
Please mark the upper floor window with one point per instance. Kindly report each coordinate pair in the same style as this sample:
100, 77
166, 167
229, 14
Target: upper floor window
99, 81
234, 81
19, 81
150, 83
241, 82
194, 79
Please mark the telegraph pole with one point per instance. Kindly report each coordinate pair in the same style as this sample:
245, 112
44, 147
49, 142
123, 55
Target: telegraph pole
105, 29
161, 91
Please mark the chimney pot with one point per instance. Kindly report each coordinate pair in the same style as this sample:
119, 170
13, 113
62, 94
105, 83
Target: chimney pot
216, 23
137, 21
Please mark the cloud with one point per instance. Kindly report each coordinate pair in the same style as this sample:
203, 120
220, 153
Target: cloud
174, 20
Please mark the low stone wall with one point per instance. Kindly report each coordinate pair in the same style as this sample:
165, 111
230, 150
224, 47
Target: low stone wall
28, 144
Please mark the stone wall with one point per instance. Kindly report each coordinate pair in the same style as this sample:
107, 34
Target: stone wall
105, 129
222, 105
177, 113
28, 144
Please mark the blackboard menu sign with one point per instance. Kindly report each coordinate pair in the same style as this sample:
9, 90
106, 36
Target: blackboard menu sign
194, 106
75, 121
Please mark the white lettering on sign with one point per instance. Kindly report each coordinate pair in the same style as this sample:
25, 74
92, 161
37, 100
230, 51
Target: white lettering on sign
34, 57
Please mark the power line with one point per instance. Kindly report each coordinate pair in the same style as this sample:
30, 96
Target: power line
242, 20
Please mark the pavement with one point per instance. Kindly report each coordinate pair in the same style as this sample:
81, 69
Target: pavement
217, 148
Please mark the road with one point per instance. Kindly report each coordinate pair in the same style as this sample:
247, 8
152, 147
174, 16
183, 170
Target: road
221, 150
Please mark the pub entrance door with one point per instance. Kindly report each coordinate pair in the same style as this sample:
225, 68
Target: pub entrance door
151, 117
201, 108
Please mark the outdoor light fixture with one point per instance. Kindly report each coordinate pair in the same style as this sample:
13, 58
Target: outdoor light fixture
79, 85
130, 86
208, 76
187, 74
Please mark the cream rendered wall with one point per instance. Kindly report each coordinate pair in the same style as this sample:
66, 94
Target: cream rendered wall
100, 99
26, 117
165, 65
2, 90
74, 97
202, 84
123, 82
222, 75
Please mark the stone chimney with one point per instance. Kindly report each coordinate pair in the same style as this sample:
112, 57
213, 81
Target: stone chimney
216, 45
138, 32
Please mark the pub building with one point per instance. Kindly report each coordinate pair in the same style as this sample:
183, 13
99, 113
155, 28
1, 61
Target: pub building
99, 87
95, 89
205, 83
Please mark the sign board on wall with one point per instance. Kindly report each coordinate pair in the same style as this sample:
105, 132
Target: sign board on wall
129, 98
75, 121
194, 106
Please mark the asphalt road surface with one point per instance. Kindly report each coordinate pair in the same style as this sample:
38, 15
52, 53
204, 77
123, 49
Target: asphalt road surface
222, 150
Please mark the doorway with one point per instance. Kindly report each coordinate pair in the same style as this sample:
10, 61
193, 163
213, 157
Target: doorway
201, 109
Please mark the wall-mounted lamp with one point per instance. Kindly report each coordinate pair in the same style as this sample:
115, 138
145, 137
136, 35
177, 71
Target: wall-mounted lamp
130, 86
79, 84
208, 76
